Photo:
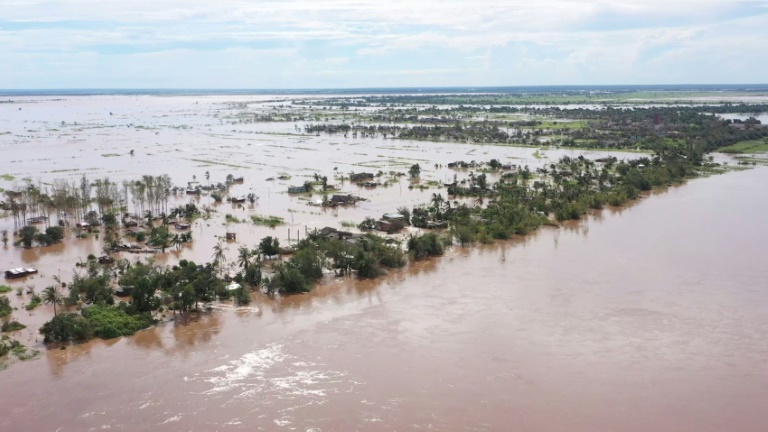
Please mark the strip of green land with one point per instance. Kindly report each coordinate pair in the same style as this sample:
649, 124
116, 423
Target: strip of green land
752, 146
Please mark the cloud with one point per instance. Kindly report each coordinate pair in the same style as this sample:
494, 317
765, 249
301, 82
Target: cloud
353, 42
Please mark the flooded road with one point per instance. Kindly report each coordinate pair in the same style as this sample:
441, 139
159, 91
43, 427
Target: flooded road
652, 318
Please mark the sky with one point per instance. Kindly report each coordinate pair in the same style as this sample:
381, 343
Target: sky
283, 44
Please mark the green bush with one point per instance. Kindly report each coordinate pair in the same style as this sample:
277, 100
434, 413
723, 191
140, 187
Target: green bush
242, 296
35, 302
5, 307
66, 327
484, 237
425, 245
464, 234
288, 280
111, 322
7, 345
55, 233
366, 265
11, 326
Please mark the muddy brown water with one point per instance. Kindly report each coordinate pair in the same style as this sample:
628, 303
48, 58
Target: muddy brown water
652, 318
649, 318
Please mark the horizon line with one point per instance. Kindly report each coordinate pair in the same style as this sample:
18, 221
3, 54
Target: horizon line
386, 87
581, 89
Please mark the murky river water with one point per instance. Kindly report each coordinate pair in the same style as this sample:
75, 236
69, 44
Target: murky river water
649, 319
652, 318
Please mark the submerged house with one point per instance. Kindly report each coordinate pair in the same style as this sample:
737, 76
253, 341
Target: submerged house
296, 189
360, 177
123, 291
18, 273
37, 219
391, 222
333, 233
130, 223
393, 217
337, 200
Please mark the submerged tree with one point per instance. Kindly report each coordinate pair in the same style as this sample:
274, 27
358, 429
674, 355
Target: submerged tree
414, 171
51, 296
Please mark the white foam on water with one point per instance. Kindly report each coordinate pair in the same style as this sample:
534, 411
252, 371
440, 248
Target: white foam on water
282, 422
249, 366
271, 380
172, 419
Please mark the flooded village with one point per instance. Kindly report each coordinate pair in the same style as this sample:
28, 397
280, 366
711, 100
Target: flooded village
279, 256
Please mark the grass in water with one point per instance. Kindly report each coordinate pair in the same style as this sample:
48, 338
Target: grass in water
233, 219
753, 146
270, 221
35, 302
11, 326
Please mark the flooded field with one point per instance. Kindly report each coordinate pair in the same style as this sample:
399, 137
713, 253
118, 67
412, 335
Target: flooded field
651, 317
53, 138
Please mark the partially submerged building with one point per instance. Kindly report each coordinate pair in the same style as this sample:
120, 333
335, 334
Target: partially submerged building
18, 273
360, 177
391, 222
342, 200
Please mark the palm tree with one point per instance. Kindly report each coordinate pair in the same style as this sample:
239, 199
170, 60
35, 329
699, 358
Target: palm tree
244, 258
177, 241
437, 201
218, 254
51, 296
252, 198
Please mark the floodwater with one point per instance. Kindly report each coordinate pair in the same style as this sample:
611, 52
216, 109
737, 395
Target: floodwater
763, 117
648, 318
49, 138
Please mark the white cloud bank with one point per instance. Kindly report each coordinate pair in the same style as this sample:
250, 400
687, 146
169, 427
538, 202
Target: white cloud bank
356, 43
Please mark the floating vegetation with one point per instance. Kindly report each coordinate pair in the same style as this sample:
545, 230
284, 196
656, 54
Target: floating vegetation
210, 162
270, 221
750, 146
233, 219
12, 326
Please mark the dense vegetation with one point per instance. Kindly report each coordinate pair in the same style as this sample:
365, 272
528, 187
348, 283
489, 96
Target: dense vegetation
521, 201
181, 288
646, 128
